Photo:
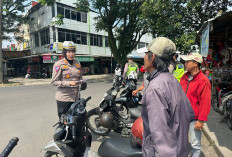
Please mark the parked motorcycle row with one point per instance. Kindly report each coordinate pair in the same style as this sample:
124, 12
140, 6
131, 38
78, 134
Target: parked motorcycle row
222, 99
117, 114
72, 138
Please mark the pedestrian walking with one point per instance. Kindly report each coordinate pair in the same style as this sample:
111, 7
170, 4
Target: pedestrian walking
166, 111
67, 76
198, 90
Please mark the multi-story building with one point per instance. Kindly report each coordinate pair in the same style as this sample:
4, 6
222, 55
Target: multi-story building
46, 37
24, 34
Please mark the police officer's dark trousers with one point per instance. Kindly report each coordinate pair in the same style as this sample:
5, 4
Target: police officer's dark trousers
63, 107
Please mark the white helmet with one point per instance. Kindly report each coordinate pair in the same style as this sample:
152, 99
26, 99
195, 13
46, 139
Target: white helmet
69, 45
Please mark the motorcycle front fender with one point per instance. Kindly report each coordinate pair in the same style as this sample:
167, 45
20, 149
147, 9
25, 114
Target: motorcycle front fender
59, 148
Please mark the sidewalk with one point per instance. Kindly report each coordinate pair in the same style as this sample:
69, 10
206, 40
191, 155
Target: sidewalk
23, 81
218, 134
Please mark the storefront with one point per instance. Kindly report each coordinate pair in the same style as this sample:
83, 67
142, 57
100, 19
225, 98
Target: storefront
216, 48
87, 62
15, 62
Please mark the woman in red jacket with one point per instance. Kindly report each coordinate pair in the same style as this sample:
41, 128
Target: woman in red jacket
198, 90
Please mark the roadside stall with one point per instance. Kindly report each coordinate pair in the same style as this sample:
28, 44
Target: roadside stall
216, 48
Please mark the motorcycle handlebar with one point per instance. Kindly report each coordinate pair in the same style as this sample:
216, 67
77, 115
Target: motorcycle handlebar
13, 142
87, 99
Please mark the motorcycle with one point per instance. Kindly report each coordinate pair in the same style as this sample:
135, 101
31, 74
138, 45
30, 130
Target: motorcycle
222, 100
118, 145
113, 113
71, 137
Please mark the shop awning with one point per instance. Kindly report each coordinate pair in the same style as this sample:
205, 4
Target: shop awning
218, 25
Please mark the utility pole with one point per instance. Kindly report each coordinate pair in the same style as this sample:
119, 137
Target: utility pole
1, 59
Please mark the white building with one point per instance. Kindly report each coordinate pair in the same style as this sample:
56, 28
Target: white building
46, 38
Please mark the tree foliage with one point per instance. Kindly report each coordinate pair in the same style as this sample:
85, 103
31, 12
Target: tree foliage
12, 16
123, 21
181, 19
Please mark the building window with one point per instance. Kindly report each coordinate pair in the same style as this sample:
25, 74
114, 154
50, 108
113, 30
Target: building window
68, 35
95, 40
84, 17
45, 37
83, 38
67, 13
36, 40
73, 15
141, 45
61, 36
106, 42
78, 37
53, 10
54, 34
60, 10
75, 36
78, 16
70, 13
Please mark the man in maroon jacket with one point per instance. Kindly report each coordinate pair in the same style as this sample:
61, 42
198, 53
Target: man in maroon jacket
198, 90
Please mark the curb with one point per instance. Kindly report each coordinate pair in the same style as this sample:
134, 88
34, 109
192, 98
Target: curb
18, 83
206, 132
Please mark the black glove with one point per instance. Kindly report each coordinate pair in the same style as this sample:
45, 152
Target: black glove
83, 86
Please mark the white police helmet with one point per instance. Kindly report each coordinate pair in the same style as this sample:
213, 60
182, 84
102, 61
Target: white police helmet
69, 45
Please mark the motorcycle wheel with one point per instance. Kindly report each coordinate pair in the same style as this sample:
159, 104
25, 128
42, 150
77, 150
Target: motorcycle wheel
229, 122
93, 122
50, 154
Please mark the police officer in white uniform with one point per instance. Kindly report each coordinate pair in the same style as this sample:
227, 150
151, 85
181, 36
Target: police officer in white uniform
67, 76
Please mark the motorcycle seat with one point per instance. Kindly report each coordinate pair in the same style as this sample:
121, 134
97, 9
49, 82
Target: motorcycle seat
136, 112
118, 147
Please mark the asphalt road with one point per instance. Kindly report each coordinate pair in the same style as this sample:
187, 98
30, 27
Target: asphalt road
29, 112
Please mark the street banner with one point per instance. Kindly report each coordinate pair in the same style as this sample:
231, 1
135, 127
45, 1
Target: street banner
47, 59
54, 58
61, 57
205, 41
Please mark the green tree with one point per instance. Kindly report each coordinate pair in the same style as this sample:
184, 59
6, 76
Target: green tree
11, 15
123, 21
179, 20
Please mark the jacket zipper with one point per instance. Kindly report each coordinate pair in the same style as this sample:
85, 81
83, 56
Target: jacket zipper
187, 87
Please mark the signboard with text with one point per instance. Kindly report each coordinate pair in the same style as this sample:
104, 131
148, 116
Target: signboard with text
54, 58
85, 59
